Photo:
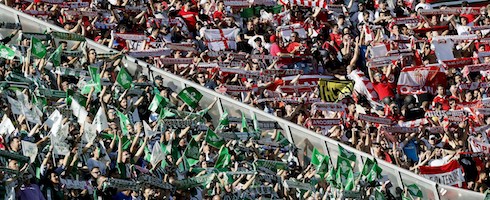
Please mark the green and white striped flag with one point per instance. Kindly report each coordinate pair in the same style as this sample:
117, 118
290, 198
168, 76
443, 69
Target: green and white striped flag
38, 50
415, 191
346, 154
190, 96
6, 52
124, 78
157, 102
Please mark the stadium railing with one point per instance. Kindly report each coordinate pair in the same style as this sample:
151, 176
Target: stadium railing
295, 133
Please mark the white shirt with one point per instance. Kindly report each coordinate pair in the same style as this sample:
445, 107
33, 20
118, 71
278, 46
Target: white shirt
424, 6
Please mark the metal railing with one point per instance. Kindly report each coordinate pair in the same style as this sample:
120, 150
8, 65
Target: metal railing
295, 133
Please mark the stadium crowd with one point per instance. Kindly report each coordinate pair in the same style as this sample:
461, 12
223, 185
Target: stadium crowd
395, 79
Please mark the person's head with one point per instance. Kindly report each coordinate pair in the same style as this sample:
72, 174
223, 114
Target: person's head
440, 90
378, 76
92, 54
95, 172
13, 164
468, 96
258, 41
201, 78
464, 21
432, 140
125, 156
294, 37
15, 144
365, 15
63, 44
54, 178
361, 6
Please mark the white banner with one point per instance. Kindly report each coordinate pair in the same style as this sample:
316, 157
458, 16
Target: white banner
221, 39
374, 119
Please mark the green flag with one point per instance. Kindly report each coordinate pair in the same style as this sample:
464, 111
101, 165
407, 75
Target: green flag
379, 195
281, 139
331, 175
368, 165
214, 140
316, 157
343, 165
223, 119
347, 154
244, 124
191, 153
190, 96
124, 78
375, 173
322, 168
256, 123
414, 190
349, 185
123, 122
55, 57
95, 75
224, 158
6, 52
38, 50
165, 112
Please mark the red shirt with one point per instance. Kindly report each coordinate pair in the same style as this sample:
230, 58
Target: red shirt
293, 46
189, 18
218, 15
337, 38
442, 100
384, 89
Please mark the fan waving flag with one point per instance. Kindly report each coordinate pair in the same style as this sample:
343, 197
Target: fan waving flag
55, 57
6, 52
347, 154
192, 152
214, 140
190, 96
414, 190
316, 157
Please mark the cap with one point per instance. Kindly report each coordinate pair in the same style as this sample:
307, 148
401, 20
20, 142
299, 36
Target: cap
273, 38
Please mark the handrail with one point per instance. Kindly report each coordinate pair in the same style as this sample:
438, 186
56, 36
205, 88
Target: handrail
294, 132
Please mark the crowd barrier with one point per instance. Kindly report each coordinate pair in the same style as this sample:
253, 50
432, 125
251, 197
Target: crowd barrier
295, 133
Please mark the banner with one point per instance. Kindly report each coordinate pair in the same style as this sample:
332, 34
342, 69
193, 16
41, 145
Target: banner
484, 111
14, 156
71, 72
149, 53
172, 61
298, 89
6, 52
309, 79
101, 25
236, 3
418, 80
220, 39
126, 36
37, 12
233, 88
10, 25
457, 63
74, 5
326, 106
316, 122
448, 174
451, 11
181, 47
270, 164
292, 100
476, 68
81, 13
406, 20
400, 129
75, 184
39, 36
6, 127
179, 123
68, 36
311, 3
374, 119
330, 90
477, 146
30, 150
194, 181
121, 184
153, 181
281, 72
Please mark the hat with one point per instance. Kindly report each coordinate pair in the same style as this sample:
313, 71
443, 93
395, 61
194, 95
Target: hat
273, 38
158, 78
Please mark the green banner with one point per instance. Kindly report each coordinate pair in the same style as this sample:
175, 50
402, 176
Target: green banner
38, 49
194, 182
124, 78
68, 36
6, 52
14, 156
271, 164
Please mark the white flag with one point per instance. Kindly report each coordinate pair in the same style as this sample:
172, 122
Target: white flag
53, 118
100, 120
221, 39
148, 130
156, 154
29, 149
6, 127
78, 111
15, 106
89, 133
